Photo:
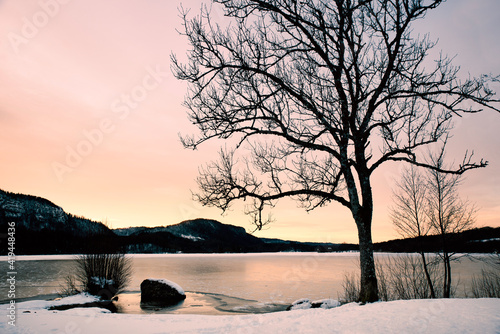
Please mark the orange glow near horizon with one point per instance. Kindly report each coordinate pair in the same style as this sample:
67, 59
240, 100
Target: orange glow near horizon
90, 114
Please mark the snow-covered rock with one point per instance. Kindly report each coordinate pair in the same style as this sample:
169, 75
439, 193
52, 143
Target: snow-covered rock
305, 303
301, 304
325, 303
161, 291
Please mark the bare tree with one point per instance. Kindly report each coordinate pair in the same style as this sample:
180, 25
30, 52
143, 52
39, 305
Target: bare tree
430, 205
447, 212
319, 94
409, 213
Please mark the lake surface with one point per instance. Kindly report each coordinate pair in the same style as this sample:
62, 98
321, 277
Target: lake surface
222, 282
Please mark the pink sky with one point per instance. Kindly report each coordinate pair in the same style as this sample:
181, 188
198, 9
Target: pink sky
94, 77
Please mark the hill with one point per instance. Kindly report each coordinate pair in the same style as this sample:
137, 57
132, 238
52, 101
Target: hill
208, 236
197, 235
44, 228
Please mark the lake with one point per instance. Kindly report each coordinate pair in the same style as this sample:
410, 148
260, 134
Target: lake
219, 283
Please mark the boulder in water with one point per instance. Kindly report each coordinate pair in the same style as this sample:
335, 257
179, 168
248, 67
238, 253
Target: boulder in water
161, 292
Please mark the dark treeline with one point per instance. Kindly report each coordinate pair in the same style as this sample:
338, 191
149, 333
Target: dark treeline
477, 240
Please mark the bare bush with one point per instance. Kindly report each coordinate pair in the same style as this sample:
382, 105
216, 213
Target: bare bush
70, 287
399, 277
407, 279
488, 284
351, 287
103, 275
383, 283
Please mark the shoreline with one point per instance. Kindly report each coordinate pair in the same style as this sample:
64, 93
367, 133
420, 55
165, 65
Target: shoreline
49, 257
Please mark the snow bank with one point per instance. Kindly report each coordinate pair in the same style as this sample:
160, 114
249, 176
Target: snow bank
32, 305
415, 316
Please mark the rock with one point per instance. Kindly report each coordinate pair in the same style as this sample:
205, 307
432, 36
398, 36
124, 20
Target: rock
161, 292
325, 303
303, 304
300, 304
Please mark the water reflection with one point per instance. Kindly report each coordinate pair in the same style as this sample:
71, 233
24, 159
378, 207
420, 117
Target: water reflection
196, 303
149, 307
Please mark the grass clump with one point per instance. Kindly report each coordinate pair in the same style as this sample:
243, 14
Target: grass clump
103, 275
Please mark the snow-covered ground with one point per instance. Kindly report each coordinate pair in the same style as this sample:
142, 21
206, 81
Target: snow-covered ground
415, 316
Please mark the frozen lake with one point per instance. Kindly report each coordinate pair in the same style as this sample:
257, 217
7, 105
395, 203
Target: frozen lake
277, 278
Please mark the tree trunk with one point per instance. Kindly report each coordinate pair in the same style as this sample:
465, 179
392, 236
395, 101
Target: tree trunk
446, 264
447, 276
362, 215
369, 288
427, 275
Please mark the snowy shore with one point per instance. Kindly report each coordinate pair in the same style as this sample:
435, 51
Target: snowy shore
414, 316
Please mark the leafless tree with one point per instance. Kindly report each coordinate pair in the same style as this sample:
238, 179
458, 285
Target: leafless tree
318, 94
447, 213
409, 213
429, 204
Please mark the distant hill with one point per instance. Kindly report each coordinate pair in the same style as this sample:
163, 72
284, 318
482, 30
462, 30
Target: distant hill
207, 236
44, 228
198, 235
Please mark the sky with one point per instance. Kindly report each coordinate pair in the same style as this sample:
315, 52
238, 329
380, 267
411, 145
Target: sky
90, 116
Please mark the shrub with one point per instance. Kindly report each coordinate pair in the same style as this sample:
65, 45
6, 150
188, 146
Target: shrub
70, 287
351, 288
488, 284
406, 278
103, 275
400, 277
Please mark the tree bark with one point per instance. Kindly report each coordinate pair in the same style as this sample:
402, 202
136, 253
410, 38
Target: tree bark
369, 287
